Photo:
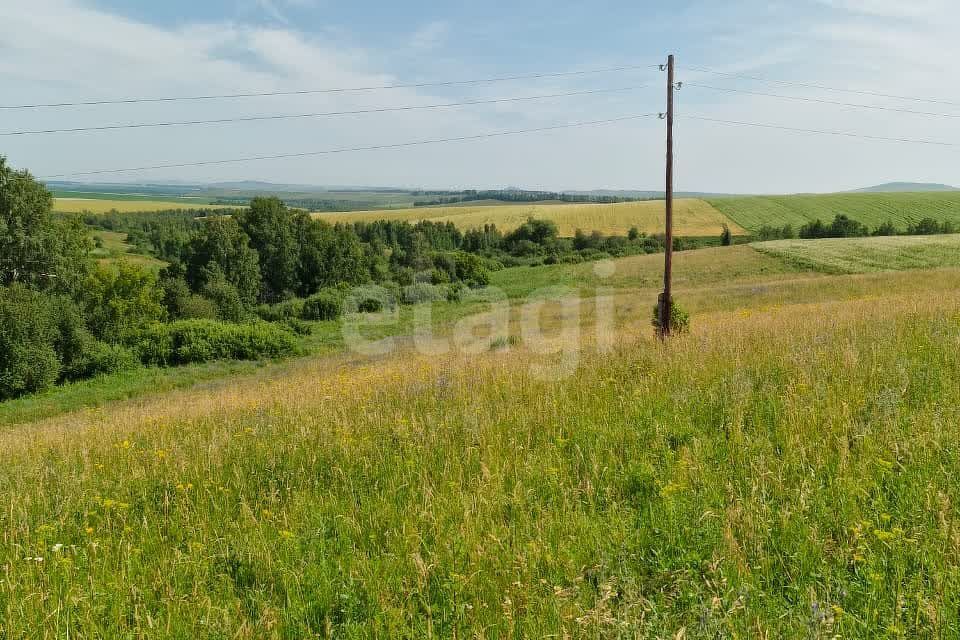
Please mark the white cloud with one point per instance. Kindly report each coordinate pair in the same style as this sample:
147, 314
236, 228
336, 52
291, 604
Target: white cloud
62, 50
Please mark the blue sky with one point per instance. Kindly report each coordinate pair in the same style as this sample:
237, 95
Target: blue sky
62, 50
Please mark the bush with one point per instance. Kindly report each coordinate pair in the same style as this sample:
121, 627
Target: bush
325, 305
679, 319
291, 309
36, 330
191, 341
422, 292
226, 299
98, 358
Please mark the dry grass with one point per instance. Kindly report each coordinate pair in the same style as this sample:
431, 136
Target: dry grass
692, 217
96, 205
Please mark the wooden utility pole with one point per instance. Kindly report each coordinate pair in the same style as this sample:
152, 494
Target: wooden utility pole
666, 299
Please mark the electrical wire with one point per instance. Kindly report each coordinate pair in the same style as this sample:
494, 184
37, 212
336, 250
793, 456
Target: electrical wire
398, 145
821, 101
825, 132
807, 85
328, 114
300, 92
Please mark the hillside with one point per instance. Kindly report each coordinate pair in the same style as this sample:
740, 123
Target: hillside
872, 209
895, 187
692, 217
800, 431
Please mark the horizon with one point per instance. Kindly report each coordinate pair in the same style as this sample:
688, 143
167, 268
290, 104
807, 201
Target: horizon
227, 46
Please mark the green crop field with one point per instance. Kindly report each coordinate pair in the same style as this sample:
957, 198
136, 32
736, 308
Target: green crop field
862, 255
692, 217
872, 209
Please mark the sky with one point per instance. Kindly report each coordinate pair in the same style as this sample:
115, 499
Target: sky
80, 50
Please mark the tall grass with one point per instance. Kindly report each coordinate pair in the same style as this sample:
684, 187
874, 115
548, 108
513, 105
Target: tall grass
780, 473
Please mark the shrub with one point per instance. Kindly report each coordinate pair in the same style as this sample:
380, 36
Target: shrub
422, 292
29, 330
679, 319
226, 299
190, 341
325, 305
97, 358
290, 309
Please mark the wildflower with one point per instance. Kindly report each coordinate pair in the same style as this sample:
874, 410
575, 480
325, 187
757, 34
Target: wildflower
286, 535
89, 531
161, 454
57, 548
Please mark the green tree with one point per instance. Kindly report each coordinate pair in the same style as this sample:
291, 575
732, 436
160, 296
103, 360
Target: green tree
222, 245
122, 299
271, 228
36, 248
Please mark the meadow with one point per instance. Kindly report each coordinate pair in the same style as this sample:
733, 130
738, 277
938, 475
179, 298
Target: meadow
782, 471
872, 209
534, 465
692, 217
862, 255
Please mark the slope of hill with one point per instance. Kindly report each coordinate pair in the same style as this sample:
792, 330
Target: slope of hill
901, 187
864, 255
871, 209
692, 217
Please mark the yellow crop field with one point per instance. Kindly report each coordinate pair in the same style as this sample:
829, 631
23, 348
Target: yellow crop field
692, 217
96, 205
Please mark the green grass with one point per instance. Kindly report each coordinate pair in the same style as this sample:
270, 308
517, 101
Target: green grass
790, 474
789, 469
863, 255
872, 209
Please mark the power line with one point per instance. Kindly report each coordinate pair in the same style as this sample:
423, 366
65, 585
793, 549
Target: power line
807, 85
300, 92
825, 132
398, 145
327, 114
853, 105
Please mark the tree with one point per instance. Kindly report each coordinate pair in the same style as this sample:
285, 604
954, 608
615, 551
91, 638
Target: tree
122, 299
222, 246
271, 227
726, 238
36, 248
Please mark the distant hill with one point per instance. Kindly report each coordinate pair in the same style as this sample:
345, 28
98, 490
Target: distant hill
893, 187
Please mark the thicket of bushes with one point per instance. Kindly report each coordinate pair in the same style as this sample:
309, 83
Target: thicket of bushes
843, 226
191, 341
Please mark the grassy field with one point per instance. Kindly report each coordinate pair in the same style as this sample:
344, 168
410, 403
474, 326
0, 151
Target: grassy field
862, 255
872, 209
788, 469
692, 217
127, 205
785, 473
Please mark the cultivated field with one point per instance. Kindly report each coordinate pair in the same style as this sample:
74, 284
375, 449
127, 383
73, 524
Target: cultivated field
692, 217
126, 205
872, 209
862, 255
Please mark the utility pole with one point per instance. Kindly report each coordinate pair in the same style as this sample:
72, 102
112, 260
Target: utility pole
666, 300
